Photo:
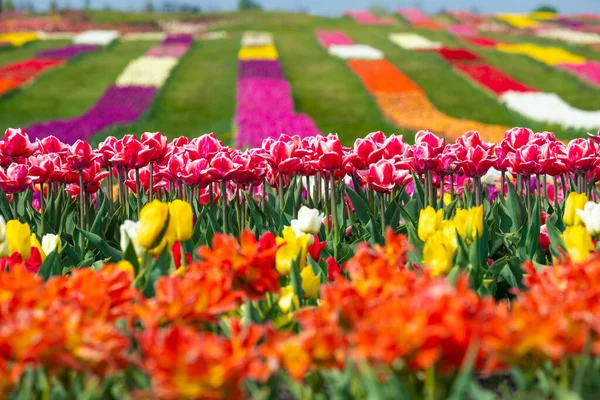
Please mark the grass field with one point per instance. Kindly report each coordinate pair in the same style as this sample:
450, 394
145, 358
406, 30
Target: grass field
200, 95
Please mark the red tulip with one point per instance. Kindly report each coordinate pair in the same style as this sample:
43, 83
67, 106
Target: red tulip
432, 141
472, 139
41, 168
476, 161
52, 145
527, 160
581, 155
107, 149
157, 143
144, 180
223, 167
15, 179
196, 173
330, 152
450, 158
205, 146
282, 157
382, 176
131, 153
92, 179
316, 248
334, 271
553, 158
17, 144
544, 238
80, 156
516, 138
251, 169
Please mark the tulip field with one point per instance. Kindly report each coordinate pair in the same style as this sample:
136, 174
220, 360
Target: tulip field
277, 206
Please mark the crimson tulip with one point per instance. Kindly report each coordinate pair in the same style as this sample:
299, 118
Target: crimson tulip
41, 167
131, 153
157, 143
80, 156
382, 176
205, 146
527, 160
144, 180
196, 173
476, 161
52, 145
581, 155
15, 179
17, 144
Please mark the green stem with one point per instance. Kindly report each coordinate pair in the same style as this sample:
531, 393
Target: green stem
81, 201
42, 200
151, 189
382, 212
15, 201
109, 192
334, 216
138, 189
280, 193
223, 187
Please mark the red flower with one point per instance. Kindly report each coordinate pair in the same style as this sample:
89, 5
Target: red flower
131, 153
334, 271
17, 144
382, 176
16, 178
80, 156
157, 143
316, 248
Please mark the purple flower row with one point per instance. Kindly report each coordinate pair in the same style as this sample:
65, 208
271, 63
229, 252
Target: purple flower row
176, 50
264, 105
67, 52
118, 105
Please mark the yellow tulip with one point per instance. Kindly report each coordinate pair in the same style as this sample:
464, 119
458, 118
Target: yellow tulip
429, 222
18, 238
34, 242
449, 235
127, 267
286, 298
447, 199
474, 226
181, 220
438, 255
578, 242
310, 283
290, 248
575, 201
460, 222
153, 219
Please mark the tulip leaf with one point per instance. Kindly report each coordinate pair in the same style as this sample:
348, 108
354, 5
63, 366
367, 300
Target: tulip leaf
532, 242
556, 240
212, 220
98, 243
50, 266
513, 273
132, 257
296, 279
360, 206
98, 220
515, 209
256, 214
419, 193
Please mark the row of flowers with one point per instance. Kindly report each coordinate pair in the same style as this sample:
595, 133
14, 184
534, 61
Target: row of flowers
17, 39
127, 100
403, 101
418, 19
264, 103
368, 18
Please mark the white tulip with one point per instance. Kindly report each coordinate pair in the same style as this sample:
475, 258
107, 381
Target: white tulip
590, 215
50, 243
309, 220
129, 234
491, 176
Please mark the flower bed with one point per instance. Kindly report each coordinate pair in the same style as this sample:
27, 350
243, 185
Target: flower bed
368, 18
413, 41
462, 30
492, 78
570, 36
264, 104
547, 55
355, 52
405, 104
418, 19
329, 38
96, 37
122, 103
519, 21
588, 71
18, 39
299, 266
67, 52
458, 56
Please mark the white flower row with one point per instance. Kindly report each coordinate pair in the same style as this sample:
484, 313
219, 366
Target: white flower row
183, 27
102, 38
144, 36
214, 35
355, 52
42, 35
570, 36
257, 39
413, 41
147, 71
550, 108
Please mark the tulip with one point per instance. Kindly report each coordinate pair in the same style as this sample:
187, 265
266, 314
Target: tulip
17, 144
157, 143
153, 224
515, 139
18, 238
35, 243
287, 297
126, 267
438, 255
491, 177
544, 238
80, 156
334, 271
382, 176
581, 155
590, 216
430, 221
474, 227
575, 201
310, 283
290, 248
129, 234
16, 179
181, 221
449, 233
578, 242
50, 243
3, 242
309, 220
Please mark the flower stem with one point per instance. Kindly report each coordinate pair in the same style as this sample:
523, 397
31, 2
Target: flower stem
81, 201
42, 207
15, 201
138, 190
223, 189
109, 192
382, 212
334, 216
280, 192
151, 189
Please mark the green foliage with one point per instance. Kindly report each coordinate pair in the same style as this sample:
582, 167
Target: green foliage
546, 8
249, 5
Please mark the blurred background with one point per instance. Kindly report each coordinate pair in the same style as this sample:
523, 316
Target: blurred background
250, 69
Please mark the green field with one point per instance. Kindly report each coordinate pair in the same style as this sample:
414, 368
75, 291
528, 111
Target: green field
200, 95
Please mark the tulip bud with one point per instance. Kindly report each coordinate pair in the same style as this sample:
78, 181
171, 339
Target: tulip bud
18, 238
50, 243
310, 283
491, 177
309, 220
429, 222
578, 242
475, 223
590, 216
438, 255
181, 221
575, 201
129, 234
290, 248
287, 297
153, 223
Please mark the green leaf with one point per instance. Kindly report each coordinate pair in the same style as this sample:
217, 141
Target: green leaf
98, 243
296, 279
360, 206
50, 266
97, 224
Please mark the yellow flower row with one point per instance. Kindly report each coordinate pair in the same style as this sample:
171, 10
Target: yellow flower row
18, 39
268, 52
547, 55
518, 21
